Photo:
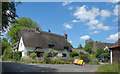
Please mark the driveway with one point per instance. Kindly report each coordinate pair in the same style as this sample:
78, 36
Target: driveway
25, 67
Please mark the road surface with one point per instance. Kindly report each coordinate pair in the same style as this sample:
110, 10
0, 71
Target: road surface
25, 67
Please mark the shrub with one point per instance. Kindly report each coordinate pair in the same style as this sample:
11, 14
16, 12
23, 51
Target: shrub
33, 55
84, 57
53, 53
17, 55
73, 54
8, 54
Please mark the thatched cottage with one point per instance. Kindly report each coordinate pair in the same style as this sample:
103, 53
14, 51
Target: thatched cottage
115, 51
32, 40
102, 45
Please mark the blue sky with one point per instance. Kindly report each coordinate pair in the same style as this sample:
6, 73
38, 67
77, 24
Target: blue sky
80, 20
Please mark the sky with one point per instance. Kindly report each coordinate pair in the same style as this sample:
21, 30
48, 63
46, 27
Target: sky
79, 20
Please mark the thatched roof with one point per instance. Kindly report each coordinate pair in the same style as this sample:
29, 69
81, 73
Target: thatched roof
79, 50
117, 44
33, 38
102, 45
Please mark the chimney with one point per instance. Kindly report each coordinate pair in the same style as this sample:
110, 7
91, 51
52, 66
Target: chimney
37, 29
65, 35
49, 31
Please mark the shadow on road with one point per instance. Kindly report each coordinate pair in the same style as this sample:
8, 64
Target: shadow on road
21, 67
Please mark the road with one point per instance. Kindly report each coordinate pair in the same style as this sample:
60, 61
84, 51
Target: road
25, 67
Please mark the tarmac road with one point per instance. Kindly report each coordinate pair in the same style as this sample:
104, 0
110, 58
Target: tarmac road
25, 67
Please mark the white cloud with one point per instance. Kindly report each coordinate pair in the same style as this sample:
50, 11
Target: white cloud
115, 11
105, 13
89, 16
94, 32
66, 3
100, 26
92, 22
85, 37
83, 14
114, 1
70, 41
68, 26
70, 8
113, 36
74, 21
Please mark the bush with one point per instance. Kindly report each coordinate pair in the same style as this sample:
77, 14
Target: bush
53, 53
33, 55
73, 54
8, 54
84, 57
17, 55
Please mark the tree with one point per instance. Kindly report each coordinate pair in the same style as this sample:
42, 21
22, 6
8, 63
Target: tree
80, 46
5, 44
99, 51
88, 45
70, 45
15, 29
8, 13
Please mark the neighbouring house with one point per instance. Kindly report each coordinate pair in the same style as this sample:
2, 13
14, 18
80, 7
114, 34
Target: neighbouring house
79, 50
115, 51
102, 45
34, 40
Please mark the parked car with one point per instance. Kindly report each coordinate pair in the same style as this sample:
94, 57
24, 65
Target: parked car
102, 59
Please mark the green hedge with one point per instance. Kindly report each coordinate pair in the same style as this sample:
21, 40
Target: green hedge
17, 55
8, 54
73, 54
33, 55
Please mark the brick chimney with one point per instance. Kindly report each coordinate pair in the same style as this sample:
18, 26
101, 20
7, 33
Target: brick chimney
49, 31
37, 29
65, 35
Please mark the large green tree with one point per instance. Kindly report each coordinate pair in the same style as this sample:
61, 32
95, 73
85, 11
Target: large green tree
88, 45
15, 29
5, 44
80, 46
8, 13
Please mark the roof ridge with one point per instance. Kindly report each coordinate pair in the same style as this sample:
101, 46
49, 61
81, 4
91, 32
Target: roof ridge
28, 29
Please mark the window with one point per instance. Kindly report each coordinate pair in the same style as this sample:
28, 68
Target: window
50, 45
64, 55
21, 44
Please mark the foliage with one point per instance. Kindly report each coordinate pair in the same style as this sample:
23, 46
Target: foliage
99, 51
8, 54
8, 13
109, 68
17, 55
84, 57
15, 29
73, 54
33, 55
89, 45
5, 44
80, 46
53, 53
70, 45
104, 54
45, 56
92, 56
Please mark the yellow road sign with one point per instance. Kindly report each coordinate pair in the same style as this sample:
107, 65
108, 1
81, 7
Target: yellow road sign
80, 61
